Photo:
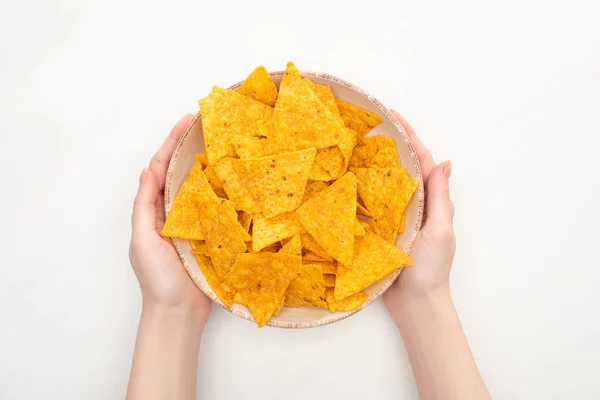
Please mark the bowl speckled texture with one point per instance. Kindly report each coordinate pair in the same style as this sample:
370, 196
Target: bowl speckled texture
192, 142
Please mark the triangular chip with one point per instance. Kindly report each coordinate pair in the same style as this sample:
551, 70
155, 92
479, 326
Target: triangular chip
310, 244
350, 303
318, 173
374, 258
293, 246
312, 188
324, 94
202, 158
357, 119
209, 273
199, 247
386, 193
358, 229
235, 188
335, 160
214, 181
309, 256
308, 290
329, 267
225, 112
259, 86
375, 151
266, 231
330, 217
329, 280
279, 307
261, 280
183, 220
245, 220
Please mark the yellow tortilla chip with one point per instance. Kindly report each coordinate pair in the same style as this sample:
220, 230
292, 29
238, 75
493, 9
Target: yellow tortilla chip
386, 193
356, 118
375, 151
183, 220
245, 220
329, 267
301, 120
374, 258
202, 158
312, 188
266, 231
310, 244
401, 228
279, 307
360, 209
199, 247
259, 86
272, 248
261, 281
293, 246
224, 234
308, 290
209, 273
350, 303
214, 181
329, 280
309, 256
330, 218
324, 94
318, 173
234, 187
358, 229
224, 113
276, 182
332, 160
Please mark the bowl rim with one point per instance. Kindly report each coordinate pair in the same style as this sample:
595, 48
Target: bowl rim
335, 317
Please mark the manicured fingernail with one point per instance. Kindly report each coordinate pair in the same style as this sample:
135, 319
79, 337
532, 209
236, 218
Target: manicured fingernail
143, 175
447, 169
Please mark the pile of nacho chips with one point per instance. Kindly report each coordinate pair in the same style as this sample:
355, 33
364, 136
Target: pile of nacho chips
291, 205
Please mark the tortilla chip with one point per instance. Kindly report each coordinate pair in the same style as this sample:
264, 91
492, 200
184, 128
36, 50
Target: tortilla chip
309, 256
329, 280
308, 290
261, 281
330, 217
234, 187
318, 173
293, 246
324, 94
374, 258
301, 120
276, 182
312, 188
209, 273
329, 267
224, 113
375, 151
279, 307
266, 231
358, 229
386, 193
215, 182
360, 209
202, 158
199, 247
183, 220
350, 303
224, 234
332, 161
310, 244
272, 248
245, 220
259, 86
356, 118
401, 228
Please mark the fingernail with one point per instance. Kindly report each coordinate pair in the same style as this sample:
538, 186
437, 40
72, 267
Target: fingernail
143, 175
447, 169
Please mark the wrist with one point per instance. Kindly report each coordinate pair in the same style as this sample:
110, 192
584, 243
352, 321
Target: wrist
175, 317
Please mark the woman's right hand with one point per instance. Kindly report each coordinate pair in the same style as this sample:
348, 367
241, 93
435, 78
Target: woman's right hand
433, 250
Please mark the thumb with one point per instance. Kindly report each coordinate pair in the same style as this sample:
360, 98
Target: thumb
440, 209
143, 219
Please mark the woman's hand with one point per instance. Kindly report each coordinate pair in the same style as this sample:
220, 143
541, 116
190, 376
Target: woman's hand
164, 282
433, 250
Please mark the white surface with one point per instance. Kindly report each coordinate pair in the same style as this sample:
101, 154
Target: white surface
510, 92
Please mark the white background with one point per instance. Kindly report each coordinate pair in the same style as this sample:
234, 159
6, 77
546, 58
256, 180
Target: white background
507, 90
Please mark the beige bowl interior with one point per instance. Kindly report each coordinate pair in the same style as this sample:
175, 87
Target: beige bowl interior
192, 142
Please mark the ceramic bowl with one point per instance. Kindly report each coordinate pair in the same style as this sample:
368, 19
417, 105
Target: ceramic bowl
192, 142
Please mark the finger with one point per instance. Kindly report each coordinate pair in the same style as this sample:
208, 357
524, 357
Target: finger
143, 220
425, 158
160, 162
440, 209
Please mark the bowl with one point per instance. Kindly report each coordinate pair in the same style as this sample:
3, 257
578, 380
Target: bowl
192, 142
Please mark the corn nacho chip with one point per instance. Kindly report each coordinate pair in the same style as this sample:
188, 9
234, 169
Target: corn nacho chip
202, 158
272, 248
293, 246
357, 119
259, 86
350, 303
360, 209
279, 307
261, 281
199, 247
358, 229
312, 188
329, 267
209, 273
276, 182
307, 290
318, 173
234, 187
386, 193
330, 218
183, 220
375, 151
215, 182
245, 220
324, 94
309, 256
310, 244
266, 231
329, 280
225, 112
374, 258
